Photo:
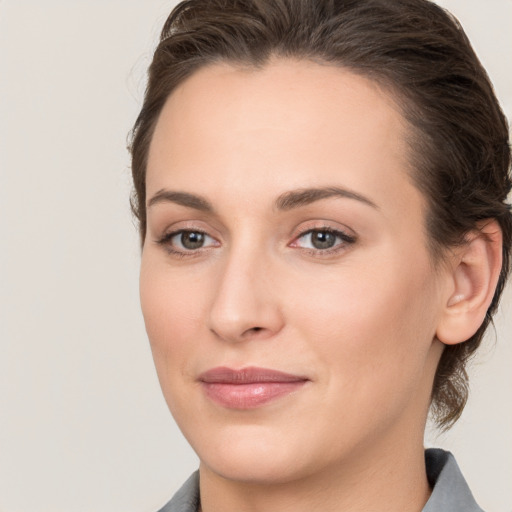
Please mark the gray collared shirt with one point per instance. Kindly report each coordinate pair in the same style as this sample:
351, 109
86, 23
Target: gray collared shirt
450, 492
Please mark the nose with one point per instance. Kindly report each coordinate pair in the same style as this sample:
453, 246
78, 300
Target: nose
246, 302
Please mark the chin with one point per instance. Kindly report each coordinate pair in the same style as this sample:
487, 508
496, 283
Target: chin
247, 454
253, 468
259, 455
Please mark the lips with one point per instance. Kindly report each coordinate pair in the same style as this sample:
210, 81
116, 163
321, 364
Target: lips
248, 388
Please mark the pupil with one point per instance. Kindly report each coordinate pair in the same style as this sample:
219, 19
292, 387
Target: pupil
323, 240
192, 240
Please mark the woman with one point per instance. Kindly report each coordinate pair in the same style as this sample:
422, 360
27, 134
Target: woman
321, 188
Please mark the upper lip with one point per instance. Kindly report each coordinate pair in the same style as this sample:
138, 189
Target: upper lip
248, 375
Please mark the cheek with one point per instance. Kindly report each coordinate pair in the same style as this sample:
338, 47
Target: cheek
370, 320
172, 310
371, 335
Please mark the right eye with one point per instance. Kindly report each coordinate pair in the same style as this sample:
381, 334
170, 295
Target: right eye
187, 241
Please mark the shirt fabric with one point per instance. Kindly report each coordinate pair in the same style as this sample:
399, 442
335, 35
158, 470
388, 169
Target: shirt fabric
450, 492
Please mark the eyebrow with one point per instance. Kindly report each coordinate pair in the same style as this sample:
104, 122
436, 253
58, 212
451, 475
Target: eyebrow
306, 196
285, 202
182, 198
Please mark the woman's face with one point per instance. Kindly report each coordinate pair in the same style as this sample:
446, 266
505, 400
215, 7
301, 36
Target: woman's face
286, 284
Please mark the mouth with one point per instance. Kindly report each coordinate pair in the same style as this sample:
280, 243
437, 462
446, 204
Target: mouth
248, 388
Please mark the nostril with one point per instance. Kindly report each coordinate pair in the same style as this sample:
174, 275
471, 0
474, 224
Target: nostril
253, 330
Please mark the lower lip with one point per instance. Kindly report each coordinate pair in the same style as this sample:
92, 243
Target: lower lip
251, 395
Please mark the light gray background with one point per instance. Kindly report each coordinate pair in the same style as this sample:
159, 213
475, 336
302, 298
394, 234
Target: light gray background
83, 426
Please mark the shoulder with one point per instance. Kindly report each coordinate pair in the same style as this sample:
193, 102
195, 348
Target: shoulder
187, 498
450, 492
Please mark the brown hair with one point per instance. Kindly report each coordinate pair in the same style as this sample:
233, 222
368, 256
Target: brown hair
415, 49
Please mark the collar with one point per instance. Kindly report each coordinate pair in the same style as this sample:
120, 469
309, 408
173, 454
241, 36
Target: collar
450, 492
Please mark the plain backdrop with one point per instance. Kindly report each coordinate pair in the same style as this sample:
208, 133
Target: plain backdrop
83, 425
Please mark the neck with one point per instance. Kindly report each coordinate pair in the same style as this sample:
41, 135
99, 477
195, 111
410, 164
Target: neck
381, 480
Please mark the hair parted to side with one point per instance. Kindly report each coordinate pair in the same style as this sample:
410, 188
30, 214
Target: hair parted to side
459, 142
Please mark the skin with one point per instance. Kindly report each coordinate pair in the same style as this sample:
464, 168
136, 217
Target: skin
358, 321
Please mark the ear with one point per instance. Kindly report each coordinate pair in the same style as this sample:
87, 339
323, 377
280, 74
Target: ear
473, 279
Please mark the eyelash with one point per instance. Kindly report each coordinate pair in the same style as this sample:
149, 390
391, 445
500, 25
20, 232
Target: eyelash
345, 238
165, 241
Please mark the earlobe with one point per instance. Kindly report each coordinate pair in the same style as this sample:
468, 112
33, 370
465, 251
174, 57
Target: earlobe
474, 277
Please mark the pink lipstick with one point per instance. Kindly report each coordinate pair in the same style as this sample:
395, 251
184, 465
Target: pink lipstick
248, 388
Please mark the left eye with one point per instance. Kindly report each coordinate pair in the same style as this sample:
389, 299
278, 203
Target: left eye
323, 239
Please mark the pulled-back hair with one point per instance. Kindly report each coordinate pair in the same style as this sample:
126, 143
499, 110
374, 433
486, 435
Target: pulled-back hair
459, 144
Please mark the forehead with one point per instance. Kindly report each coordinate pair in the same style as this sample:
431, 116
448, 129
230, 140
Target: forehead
290, 124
